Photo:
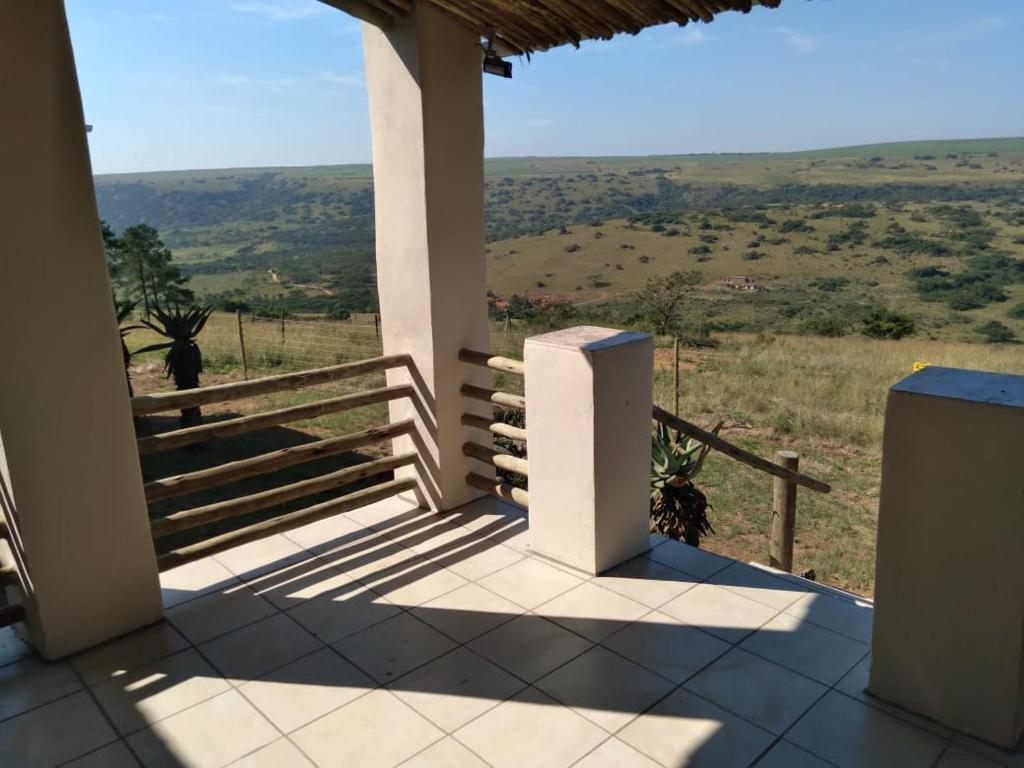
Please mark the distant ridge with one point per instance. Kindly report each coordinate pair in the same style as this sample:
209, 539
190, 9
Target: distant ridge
497, 166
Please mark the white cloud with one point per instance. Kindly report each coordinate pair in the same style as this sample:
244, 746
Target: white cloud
797, 40
692, 35
278, 11
353, 80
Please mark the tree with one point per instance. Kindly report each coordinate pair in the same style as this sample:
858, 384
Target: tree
141, 270
994, 332
885, 324
184, 361
659, 302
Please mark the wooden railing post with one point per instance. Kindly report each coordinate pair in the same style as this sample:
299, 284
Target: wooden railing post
241, 345
783, 514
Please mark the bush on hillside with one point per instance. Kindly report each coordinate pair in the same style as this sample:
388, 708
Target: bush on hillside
995, 332
826, 325
886, 324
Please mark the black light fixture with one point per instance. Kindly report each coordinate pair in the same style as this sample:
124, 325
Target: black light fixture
494, 64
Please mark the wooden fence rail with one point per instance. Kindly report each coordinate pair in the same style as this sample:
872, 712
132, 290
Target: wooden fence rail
505, 399
499, 489
494, 427
494, 362
496, 458
181, 485
222, 393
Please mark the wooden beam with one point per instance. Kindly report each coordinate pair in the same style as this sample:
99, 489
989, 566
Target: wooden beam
494, 427
222, 393
191, 435
495, 362
243, 505
506, 399
496, 458
282, 523
180, 485
500, 490
735, 452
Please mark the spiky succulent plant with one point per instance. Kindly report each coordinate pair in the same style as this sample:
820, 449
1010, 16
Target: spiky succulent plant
678, 507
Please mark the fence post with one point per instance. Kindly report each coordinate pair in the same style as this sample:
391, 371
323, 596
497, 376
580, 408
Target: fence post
376, 325
282, 329
675, 372
508, 321
780, 553
241, 345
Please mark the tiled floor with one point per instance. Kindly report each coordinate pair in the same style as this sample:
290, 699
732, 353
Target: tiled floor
393, 637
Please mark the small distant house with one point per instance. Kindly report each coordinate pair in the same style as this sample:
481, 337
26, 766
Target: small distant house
741, 283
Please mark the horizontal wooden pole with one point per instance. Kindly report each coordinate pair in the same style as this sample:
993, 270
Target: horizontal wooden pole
494, 362
222, 393
737, 453
494, 427
11, 614
284, 522
243, 505
217, 430
506, 399
501, 490
180, 485
499, 459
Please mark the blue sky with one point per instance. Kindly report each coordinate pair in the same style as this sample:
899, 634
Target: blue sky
172, 84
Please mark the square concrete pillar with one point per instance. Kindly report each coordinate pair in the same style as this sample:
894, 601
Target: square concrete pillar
588, 424
70, 482
426, 111
949, 613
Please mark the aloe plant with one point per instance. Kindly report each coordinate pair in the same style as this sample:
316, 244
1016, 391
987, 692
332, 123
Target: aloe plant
184, 360
678, 507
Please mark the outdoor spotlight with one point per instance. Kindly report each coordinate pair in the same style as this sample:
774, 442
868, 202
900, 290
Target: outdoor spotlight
494, 64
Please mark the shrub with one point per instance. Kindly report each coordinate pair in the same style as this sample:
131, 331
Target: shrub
754, 255
826, 325
995, 332
886, 324
573, 247
1016, 311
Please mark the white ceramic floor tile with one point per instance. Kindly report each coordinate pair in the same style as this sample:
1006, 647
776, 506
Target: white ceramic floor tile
667, 646
394, 647
853, 735
129, 652
31, 682
687, 730
446, 753
605, 688
265, 555
467, 612
478, 559
683, 557
217, 613
418, 584
530, 646
388, 514
327, 534
12, 646
716, 610
300, 583
852, 618
300, 692
210, 735
592, 611
989, 752
374, 730
115, 755
192, 580
646, 581
159, 690
257, 648
615, 754
530, 582
343, 612
958, 757
452, 690
54, 733
531, 730
279, 754
757, 690
806, 648
758, 585
786, 755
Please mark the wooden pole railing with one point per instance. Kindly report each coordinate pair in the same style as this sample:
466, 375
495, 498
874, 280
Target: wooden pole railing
505, 399
243, 505
496, 458
222, 393
739, 454
494, 362
498, 428
191, 435
780, 548
284, 522
181, 485
501, 490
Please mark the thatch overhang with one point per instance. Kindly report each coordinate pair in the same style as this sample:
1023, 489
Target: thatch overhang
525, 26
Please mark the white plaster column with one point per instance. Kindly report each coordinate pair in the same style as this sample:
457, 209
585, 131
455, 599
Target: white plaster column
426, 109
72, 487
948, 637
588, 424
